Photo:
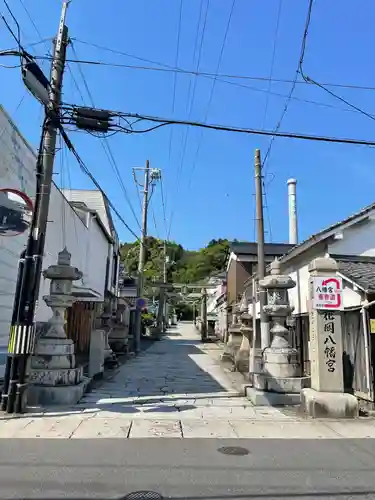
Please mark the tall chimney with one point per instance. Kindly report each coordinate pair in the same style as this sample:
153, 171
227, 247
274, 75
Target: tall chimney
292, 202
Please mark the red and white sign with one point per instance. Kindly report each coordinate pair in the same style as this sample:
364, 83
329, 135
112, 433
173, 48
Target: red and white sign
327, 293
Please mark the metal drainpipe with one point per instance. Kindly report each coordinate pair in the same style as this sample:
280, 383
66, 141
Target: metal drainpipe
366, 342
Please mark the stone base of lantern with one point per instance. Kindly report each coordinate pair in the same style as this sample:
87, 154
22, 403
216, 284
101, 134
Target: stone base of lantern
233, 344
54, 378
276, 391
241, 361
56, 395
329, 404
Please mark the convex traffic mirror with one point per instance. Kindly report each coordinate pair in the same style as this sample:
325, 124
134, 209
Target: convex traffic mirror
16, 210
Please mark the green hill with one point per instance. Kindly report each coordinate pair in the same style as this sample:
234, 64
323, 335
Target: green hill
185, 266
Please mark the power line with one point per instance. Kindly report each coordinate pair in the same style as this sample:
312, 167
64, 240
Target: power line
309, 80
175, 74
272, 61
266, 109
154, 221
191, 98
212, 88
86, 170
18, 41
174, 92
287, 102
168, 68
107, 149
31, 19
236, 83
163, 207
162, 122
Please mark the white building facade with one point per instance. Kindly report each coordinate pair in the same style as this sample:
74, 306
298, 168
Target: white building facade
352, 244
84, 231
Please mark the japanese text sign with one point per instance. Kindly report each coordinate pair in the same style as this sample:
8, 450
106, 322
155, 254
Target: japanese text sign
327, 293
329, 325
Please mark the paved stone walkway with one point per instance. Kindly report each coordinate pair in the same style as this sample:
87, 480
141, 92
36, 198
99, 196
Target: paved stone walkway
176, 388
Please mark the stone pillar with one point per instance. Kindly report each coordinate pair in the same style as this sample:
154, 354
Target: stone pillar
242, 356
107, 325
119, 335
326, 398
54, 377
280, 383
234, 337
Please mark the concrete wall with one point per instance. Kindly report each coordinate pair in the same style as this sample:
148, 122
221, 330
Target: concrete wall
239, 270
86, 242
17, 171
356, 240
94, 200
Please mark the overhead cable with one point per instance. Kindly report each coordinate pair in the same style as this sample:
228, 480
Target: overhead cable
273, 58
169, 68
107, 149
190, 99
86, 170
251, 131
310, 80
288, 99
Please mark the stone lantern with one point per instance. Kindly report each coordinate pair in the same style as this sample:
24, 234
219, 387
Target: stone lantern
107, 326
234, 337
54, 377
280, 378
280, 359
242, 356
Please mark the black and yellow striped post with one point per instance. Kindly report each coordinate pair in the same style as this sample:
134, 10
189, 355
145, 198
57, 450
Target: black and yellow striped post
10, 367
21, 345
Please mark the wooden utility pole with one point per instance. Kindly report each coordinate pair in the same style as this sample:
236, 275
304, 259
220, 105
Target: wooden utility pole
142, 258
204, 315
161, 308
264, 326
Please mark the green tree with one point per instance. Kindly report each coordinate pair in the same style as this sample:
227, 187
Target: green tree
185, 266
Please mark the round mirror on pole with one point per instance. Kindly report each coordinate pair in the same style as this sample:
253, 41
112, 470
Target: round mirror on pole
16, 210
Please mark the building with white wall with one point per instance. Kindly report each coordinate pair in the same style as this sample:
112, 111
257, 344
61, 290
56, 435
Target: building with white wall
84, 228
352, 244
86, 202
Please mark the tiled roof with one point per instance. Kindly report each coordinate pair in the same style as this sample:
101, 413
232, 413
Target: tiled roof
360, 270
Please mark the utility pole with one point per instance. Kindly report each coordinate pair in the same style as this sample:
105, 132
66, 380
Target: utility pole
161, 308
264, 326
164, 308
142, 256
22, 332
204, 315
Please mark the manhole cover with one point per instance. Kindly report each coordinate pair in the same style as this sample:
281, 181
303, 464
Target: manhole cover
143, 495
233, 450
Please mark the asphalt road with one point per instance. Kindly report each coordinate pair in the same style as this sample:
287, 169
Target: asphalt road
187, 469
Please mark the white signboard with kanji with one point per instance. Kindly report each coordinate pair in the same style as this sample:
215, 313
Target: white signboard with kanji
327, 293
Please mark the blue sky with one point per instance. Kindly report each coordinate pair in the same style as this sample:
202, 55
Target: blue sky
211, 194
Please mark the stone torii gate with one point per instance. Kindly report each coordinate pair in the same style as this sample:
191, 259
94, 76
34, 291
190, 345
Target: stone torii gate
196, 291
